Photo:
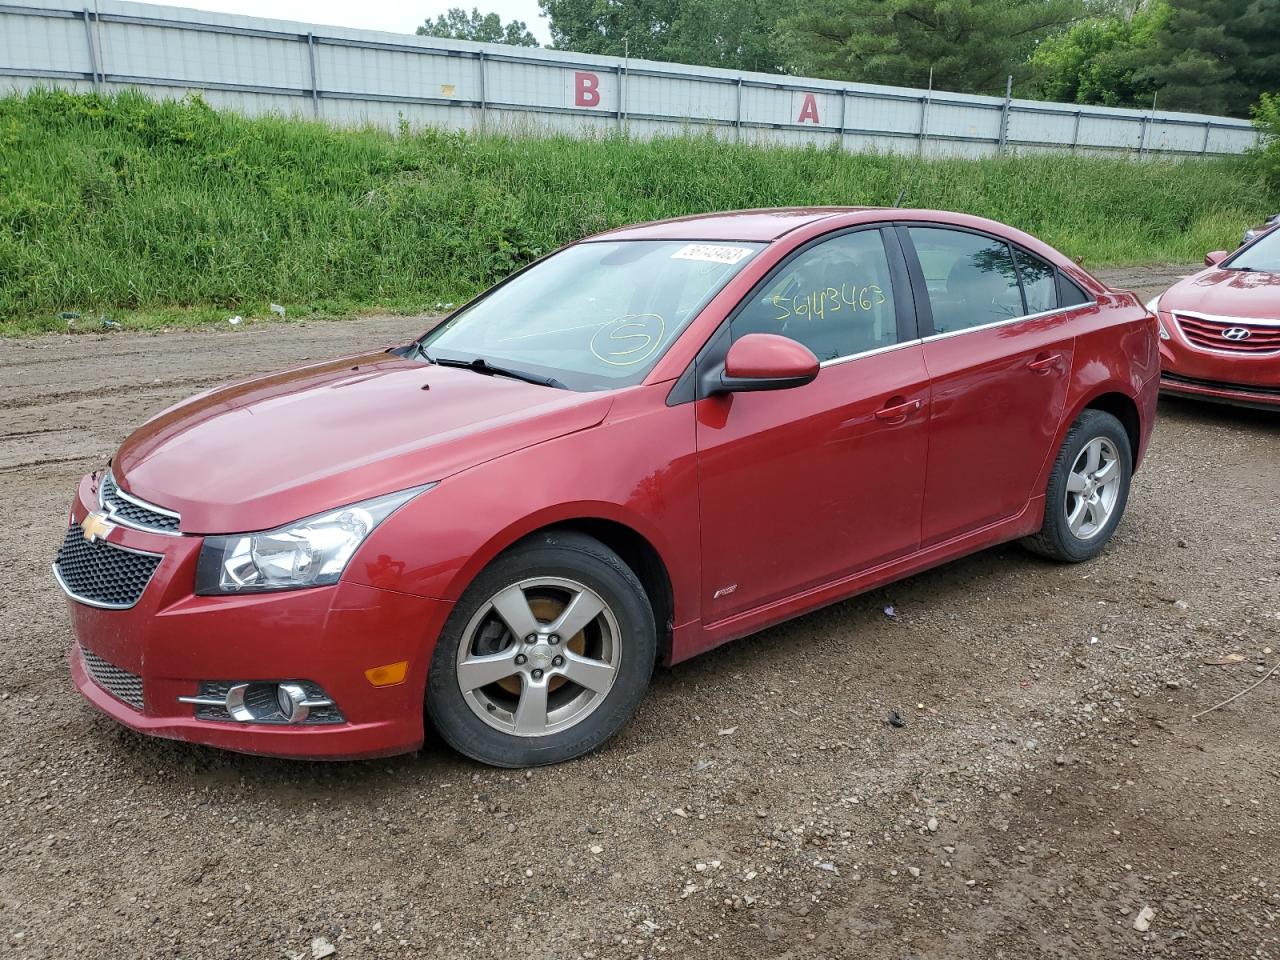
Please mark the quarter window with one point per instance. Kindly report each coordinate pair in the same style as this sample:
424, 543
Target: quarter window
1039, 282
971, 278
836, 298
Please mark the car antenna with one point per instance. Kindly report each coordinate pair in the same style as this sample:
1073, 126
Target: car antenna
901, 193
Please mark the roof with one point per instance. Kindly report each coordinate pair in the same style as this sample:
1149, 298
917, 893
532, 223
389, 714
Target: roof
758, 225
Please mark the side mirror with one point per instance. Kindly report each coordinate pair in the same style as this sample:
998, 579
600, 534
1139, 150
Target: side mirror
1215, 257
766, 361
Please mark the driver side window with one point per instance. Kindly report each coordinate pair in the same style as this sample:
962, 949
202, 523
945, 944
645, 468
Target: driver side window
836, 298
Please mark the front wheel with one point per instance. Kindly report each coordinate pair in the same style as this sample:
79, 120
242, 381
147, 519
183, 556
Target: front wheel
546, 656
1088, 489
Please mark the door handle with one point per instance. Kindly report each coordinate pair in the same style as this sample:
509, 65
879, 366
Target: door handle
1045, 362
896, 410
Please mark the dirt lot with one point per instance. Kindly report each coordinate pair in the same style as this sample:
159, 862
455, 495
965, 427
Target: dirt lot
1049, 783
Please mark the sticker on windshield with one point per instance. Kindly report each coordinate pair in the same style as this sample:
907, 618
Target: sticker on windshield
712, 253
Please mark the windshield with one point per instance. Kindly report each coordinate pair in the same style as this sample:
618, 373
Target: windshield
594, 316
1264, 255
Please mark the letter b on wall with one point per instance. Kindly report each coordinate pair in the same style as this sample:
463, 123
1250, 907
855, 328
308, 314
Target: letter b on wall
586, 89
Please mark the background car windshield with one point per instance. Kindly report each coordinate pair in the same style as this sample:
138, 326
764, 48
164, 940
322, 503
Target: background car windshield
594, 316
1263, 255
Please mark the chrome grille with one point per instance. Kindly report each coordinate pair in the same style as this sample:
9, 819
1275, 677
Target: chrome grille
101, 574
121, 684
129, 511
1247, 337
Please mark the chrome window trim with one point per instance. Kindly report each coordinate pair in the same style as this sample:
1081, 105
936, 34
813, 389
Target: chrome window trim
1218, 318
98, 603
1005, 323
836, 361
137, 502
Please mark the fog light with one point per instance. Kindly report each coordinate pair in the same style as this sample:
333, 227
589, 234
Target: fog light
388, 674
264, 701
293, 702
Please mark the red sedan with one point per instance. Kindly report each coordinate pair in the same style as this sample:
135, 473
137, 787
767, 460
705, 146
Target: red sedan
643, 446
1220, 328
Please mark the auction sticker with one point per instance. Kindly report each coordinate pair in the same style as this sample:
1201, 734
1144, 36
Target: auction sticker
712, 253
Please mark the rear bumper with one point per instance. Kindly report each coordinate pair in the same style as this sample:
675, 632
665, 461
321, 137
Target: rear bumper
172, 640
1241, 395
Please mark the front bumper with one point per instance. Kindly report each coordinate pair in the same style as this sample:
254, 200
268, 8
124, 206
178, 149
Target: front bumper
173, 640
1239, 379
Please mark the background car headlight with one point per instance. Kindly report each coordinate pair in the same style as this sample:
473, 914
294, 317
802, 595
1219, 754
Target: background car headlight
309, 553
1154, 306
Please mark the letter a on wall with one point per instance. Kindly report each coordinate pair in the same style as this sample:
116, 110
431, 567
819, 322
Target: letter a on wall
809, 110
586, 89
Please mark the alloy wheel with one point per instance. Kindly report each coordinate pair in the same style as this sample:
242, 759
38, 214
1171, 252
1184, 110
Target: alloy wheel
1093, 487
539, 656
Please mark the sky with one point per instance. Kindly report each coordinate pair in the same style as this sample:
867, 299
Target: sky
396, 16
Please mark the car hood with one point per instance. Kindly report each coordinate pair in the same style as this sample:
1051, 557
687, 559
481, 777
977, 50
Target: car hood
1227, 293
268, 450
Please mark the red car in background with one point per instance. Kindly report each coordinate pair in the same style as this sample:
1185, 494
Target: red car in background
640, 447
1220, 328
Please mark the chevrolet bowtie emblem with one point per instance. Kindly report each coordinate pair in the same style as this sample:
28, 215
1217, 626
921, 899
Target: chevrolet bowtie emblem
96, 527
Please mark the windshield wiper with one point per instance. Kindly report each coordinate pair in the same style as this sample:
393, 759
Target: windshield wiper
481, 365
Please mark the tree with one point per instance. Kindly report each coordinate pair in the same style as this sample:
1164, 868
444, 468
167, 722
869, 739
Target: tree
1266, 117
734, 34
972, 45
1103, 58
457, 24
1217, 56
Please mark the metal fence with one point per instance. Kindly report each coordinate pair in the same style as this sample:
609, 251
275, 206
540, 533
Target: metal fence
353, 77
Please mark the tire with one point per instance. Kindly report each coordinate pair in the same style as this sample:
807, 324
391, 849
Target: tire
1065, 535
524, 706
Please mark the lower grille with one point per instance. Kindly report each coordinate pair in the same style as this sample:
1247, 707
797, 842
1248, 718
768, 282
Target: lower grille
121, 684
1174, 379
100, 574
1245, 337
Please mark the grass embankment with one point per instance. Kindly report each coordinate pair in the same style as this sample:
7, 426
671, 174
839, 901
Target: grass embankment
155, 213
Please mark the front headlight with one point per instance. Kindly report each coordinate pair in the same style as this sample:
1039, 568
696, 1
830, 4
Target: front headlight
309, 553
1154, 306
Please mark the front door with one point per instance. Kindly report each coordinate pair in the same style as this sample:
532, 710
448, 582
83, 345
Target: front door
801, 487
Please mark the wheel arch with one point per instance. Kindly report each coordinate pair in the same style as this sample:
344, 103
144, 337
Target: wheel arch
621, 535
1125, 409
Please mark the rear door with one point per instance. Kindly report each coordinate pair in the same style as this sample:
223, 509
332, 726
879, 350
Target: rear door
800, 487
998, 346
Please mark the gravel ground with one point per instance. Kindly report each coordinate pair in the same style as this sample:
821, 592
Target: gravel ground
1048, 787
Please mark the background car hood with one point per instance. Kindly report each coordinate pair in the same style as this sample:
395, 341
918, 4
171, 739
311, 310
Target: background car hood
1227, 293
269, 450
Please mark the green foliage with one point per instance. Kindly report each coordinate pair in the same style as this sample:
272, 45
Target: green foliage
971, 45
117, 204
456, 24
1099, 59
1266, 117
734, 34
1216, 56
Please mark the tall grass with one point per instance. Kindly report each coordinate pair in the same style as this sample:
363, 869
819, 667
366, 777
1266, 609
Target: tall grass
119, 203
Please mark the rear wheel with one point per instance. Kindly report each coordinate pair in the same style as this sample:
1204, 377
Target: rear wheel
546, 656
1088, 489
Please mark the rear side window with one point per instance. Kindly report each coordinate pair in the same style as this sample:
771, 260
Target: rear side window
972, 280
1069, 292
835, 297
1039, 282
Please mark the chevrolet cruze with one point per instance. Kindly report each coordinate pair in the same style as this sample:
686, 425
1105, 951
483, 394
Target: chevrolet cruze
640, 447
